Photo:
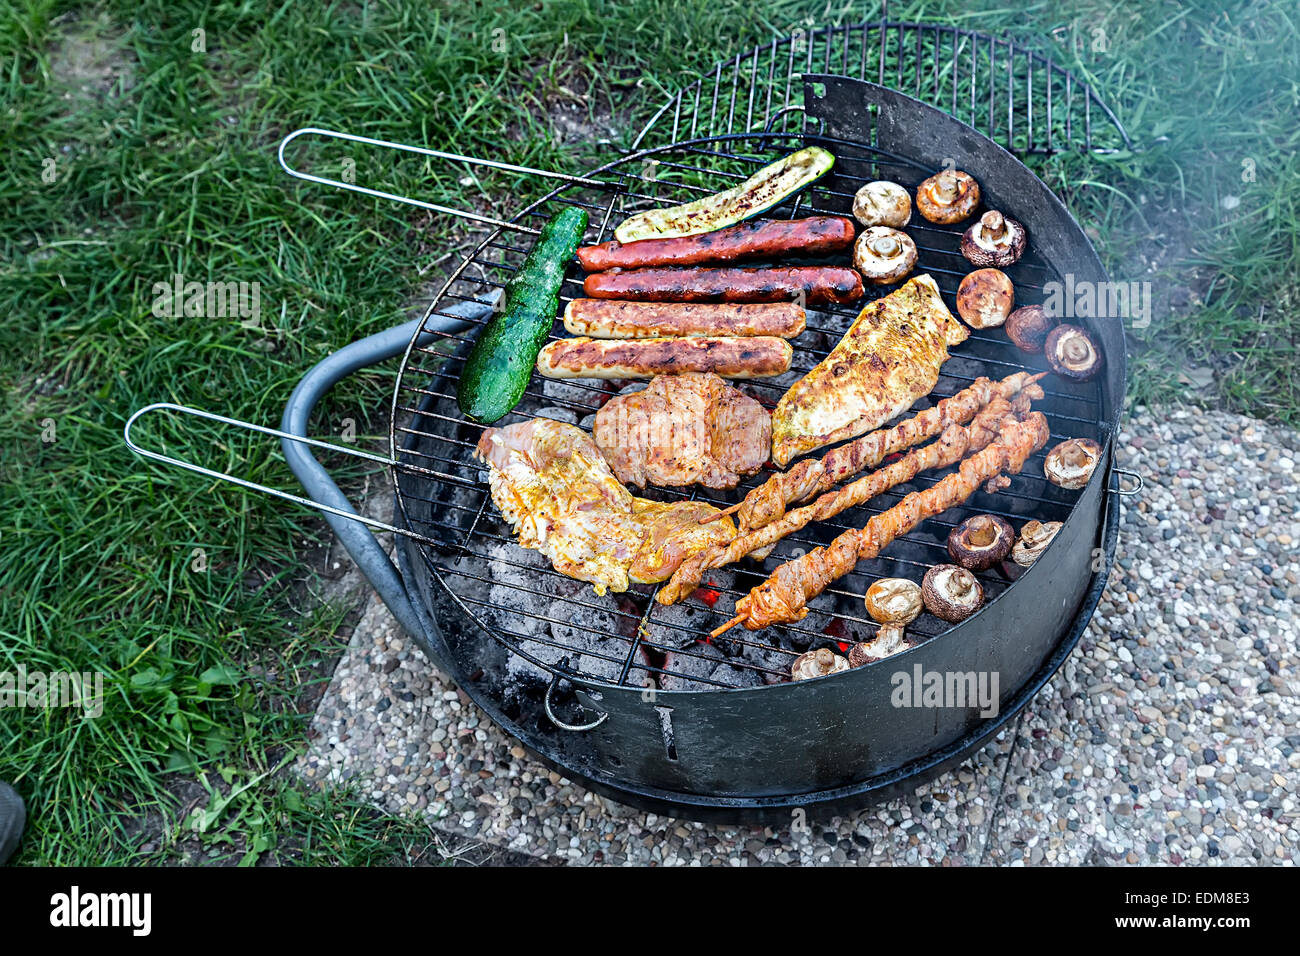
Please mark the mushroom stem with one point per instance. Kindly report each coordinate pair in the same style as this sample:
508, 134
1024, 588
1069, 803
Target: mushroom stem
1074, 454
983, 533
885, 246
1076, 350
963, 583
994, 226
889, 640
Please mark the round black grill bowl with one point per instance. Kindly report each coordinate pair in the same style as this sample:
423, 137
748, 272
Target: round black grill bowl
838, 741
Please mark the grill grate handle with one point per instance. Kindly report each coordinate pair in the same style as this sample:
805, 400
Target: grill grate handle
423, 151
346, 522
253, 485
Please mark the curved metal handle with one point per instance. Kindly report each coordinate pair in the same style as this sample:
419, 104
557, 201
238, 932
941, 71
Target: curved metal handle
1127, 492
424, 151
326, 496
550, 711
252, 485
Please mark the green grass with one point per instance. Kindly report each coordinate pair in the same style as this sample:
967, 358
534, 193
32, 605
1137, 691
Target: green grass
171, 169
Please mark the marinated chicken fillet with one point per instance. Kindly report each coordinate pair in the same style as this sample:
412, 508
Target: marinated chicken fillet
889, 358
551, 484
683, 430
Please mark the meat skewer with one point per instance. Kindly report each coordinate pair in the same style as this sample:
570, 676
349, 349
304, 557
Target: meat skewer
768, 501
953, 444
783, 598
814, 236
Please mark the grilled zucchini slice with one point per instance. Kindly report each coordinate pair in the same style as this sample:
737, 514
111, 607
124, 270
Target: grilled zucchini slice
766, 189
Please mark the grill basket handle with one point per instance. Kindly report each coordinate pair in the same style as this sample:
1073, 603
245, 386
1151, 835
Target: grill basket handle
423, 151
324, 494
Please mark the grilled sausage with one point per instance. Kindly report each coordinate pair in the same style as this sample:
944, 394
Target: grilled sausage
754, 357
818, 283
813, 236
610, 319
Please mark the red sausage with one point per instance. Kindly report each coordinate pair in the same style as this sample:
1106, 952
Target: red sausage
817, 283
813, 236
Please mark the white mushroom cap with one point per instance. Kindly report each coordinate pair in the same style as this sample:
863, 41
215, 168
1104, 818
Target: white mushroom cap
948, 196
985, 298
1071, 463
894, 601
817, 663
882, 203
1035, 536
884, 255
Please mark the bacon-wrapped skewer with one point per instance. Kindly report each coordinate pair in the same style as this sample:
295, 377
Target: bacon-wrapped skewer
810, 477
783, 598
952, 446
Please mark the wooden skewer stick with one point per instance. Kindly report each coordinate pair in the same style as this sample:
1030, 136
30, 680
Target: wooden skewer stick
728, 626
718, 515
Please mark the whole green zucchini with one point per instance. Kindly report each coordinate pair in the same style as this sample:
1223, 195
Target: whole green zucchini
500, 362
769, 187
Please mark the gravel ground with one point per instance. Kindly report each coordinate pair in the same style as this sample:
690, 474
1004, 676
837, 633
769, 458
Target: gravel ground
1170, 736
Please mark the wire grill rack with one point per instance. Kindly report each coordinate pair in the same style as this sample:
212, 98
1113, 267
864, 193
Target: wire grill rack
631, 638
743, 114
1018, 97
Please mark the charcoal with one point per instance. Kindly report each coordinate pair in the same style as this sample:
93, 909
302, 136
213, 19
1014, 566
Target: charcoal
557, 414
764, 652
576, 396
692, 667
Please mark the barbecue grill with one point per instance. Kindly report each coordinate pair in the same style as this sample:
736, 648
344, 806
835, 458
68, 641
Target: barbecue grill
634, 698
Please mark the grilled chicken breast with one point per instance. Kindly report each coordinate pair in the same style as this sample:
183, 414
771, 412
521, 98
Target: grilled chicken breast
683, 430
889, 358
551, 484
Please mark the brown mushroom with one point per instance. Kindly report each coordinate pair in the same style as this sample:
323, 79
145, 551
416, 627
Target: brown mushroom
1035, 536
996, 240
1071, 463
951, 593
985, 298
817, 663
883, 204
947, 197
981, 542
893, 603
1027, 327
884, 255
1072, 353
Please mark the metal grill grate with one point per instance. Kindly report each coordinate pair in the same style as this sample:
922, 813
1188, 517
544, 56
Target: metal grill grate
1019, 98
540, 614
